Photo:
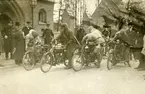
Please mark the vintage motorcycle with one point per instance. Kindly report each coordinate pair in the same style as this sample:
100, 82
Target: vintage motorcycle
33, 55
119, 52
85, 55
56, 56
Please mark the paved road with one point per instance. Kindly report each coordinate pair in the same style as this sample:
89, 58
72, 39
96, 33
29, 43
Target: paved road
120, 80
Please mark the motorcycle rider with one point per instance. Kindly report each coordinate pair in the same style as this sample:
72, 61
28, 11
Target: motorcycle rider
95, 36
67, 38
123, 47
32, 38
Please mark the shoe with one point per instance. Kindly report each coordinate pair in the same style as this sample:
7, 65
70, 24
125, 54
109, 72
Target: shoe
97, 65
68, 67
141, 69
19, 64
6, 59
1, 65
137, 68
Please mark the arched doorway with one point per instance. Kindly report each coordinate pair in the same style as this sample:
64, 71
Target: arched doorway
10, 10
4, 19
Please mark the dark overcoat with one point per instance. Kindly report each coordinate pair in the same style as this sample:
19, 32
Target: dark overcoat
7, 31
19, 45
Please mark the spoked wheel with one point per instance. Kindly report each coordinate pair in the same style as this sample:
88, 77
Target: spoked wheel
28, 61
46, 62
77, 61
109, 61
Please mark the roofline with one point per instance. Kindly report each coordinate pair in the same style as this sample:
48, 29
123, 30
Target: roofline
46, 1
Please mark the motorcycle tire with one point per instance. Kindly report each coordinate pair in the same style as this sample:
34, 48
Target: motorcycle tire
77, 58
46, 60
28, 61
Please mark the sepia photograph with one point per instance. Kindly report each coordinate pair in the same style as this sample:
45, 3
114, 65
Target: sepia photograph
72, 46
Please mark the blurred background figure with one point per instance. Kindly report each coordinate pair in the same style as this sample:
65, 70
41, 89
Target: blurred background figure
18, 44
1, 43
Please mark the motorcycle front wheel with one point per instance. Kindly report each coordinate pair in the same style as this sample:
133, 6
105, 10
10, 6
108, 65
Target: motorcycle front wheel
46, 62
77, 61
28, 61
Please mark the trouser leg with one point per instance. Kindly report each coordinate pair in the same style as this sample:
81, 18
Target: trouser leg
70, 49
11, 55
6, 55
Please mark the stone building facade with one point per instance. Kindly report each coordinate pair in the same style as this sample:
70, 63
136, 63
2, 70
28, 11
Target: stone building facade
38, 12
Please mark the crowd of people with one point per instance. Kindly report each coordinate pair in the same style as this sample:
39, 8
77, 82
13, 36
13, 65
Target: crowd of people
16, 40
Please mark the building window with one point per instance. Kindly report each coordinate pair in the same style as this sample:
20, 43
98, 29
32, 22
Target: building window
42, 16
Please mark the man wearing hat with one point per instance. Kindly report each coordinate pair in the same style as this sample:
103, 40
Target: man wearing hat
47, 34
18, 44
27, 28
107, 30
7, 36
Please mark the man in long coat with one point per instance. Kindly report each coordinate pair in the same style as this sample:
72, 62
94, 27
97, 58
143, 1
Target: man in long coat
18, 44
7, 36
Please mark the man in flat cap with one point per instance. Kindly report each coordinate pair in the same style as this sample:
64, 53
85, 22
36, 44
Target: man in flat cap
27, 28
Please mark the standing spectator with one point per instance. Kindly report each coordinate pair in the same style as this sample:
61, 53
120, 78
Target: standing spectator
7, 36
47, 34
27, 28
1, 43
19, 44
80, 33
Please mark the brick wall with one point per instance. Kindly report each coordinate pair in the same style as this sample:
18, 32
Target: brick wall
48, 7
